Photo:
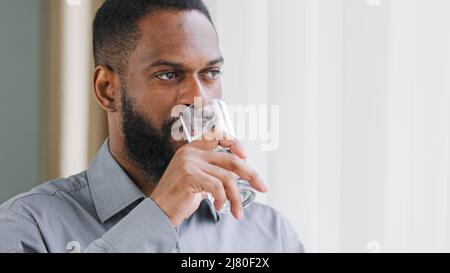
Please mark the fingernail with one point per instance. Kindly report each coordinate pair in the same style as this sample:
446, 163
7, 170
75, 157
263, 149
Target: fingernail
239, 215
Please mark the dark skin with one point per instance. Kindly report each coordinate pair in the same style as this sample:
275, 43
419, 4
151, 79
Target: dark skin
177, 59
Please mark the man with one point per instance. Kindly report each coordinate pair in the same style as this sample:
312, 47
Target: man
144, 191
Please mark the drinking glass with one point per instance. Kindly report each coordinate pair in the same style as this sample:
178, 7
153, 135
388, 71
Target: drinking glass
213, 115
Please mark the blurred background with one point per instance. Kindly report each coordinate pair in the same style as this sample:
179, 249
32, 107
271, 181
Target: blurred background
363, 86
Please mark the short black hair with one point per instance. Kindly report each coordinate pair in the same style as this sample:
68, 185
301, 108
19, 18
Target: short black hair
115, 30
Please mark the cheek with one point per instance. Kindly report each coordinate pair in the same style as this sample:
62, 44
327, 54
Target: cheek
220, 95
152, 100
158, 113
217, 91
157, 104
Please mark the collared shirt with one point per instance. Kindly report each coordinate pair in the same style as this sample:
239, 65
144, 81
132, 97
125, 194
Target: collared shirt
102, 210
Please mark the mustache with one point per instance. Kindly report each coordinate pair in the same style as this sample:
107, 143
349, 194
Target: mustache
167, 126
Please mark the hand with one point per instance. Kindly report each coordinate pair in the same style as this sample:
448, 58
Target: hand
196, 169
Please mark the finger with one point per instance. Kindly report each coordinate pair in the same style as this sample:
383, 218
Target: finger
205, 144
196, 203
212, 140
213, 185
229, 181
235, 147
233, 164
227, 141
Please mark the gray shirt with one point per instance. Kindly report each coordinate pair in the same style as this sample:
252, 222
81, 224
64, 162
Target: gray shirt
102, 210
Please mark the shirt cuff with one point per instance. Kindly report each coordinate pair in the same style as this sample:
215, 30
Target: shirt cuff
145, 229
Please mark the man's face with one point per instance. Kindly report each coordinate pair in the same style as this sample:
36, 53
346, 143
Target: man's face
176, 60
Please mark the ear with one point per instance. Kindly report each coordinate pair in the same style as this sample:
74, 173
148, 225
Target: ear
107, 88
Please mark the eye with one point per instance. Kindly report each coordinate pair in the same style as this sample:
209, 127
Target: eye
167, 76
213, 74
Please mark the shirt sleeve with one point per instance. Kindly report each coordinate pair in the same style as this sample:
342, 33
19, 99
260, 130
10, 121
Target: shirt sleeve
145, 229
18, 234
290, 240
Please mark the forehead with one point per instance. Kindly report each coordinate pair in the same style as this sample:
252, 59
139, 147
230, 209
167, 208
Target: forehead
181, 36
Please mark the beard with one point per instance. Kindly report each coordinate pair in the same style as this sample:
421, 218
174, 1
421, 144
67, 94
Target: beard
146, 145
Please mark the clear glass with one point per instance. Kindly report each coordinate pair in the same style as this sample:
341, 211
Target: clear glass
198, 120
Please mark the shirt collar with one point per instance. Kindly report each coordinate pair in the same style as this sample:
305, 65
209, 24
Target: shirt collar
113, 190
206, 207
212, 210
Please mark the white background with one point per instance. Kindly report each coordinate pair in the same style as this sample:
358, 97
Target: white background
363, 88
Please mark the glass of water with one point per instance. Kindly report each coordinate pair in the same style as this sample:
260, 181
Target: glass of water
213, 115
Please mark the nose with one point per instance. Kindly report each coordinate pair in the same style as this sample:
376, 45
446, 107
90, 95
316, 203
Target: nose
191, 90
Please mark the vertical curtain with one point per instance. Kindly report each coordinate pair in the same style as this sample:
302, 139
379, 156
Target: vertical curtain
363, 89
417, 181
75, 125
288, 53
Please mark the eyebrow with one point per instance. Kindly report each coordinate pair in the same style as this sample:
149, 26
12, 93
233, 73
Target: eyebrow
175, 65
219, 60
